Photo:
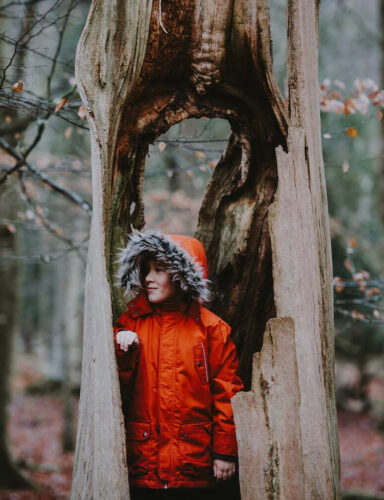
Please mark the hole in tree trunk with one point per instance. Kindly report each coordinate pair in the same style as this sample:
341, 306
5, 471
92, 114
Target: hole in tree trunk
179, 165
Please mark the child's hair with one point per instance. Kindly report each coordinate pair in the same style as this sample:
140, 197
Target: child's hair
146, 257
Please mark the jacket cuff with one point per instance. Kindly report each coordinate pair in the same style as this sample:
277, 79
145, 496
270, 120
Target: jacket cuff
224, 443
228, 458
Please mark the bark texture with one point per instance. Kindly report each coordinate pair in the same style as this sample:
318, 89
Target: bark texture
139, 74
271, 465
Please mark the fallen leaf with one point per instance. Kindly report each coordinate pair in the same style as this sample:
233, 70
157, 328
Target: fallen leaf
327, 135
162, 146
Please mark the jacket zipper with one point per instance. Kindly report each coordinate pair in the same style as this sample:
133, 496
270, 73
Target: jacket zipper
205, 361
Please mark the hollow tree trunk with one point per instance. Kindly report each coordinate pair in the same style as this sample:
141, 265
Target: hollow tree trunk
263, 222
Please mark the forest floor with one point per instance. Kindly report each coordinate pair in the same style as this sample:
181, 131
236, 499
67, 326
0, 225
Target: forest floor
35, 435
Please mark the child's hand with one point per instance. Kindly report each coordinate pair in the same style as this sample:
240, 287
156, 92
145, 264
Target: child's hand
222, 469
126, 338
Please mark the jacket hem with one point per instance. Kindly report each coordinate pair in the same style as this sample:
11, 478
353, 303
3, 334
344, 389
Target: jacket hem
171, 483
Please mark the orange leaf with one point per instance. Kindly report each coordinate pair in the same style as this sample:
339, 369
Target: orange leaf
352, 242
363, 285
372, 95
347, 264
339, 284
61, 104
345, 166
8, 119
379, 115
199, 154
357, 315
18, 86
11, 228
81, 112
213, 163
68, 132
162, 146
352, 132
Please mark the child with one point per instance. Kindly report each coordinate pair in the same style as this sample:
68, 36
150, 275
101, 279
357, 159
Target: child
178, 371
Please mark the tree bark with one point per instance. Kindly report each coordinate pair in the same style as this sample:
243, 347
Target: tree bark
211, 59
10, 476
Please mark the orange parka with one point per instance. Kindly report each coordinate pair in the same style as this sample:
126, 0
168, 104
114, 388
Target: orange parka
177, 384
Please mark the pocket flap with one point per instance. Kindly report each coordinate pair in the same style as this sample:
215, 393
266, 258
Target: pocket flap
138, 430
188, 431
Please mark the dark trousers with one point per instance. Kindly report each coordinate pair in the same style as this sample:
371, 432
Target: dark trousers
223, 490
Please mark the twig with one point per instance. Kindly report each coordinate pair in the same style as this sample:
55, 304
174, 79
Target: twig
74, 197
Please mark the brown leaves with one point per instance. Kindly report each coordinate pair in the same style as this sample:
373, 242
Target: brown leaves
338, 283
357, 315
345, 166
352, 132
10, 227
18, 86
63, 101
68, 132
81, 112
200, 154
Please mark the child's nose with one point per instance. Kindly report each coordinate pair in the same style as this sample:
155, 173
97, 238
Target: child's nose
149, 277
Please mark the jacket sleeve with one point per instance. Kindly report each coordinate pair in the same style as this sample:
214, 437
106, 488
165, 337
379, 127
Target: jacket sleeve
126, 360
225, 383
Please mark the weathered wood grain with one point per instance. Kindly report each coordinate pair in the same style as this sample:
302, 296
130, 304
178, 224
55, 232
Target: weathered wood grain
137, 77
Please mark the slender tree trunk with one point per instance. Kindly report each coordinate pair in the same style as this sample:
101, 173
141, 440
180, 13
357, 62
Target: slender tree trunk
10, 477
263, 222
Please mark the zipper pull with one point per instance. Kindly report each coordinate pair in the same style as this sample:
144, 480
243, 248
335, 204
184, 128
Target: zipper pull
165, 485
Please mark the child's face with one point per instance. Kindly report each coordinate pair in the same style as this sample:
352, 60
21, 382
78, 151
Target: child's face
159, 286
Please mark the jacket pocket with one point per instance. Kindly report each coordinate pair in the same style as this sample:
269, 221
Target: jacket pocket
201, 362
195, 449
138, 446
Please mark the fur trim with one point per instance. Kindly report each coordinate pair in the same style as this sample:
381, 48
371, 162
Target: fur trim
184, 268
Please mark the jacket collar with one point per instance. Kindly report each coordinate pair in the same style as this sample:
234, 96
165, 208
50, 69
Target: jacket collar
140, 306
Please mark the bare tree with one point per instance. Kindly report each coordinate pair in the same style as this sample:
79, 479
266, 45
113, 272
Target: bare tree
263, 221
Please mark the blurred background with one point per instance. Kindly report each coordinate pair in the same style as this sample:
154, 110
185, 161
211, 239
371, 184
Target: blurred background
45, 208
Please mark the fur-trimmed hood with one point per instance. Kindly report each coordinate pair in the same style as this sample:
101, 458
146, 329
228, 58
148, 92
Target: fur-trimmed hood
185, 256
